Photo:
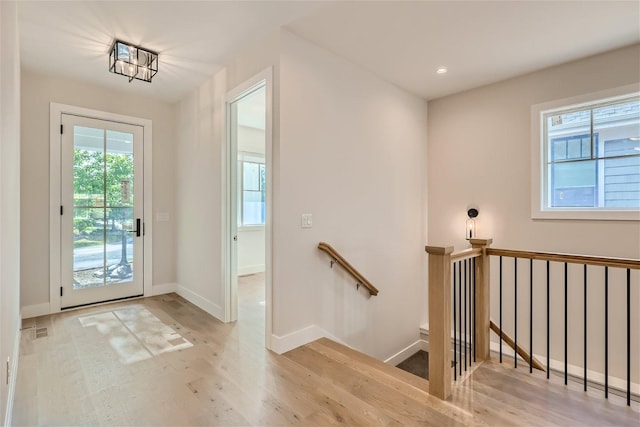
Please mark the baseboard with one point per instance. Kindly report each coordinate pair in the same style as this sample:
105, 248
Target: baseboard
35, 310
407, 352
198, 300
164, 288
282, 344
14, 373
250, 269
574, 371
29, 311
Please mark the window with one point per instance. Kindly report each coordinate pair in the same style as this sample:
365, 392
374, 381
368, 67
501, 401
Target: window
589, 159
252, 181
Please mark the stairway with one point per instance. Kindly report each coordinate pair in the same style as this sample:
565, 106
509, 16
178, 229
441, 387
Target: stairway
359, 390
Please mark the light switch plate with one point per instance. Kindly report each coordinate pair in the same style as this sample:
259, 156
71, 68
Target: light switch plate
162, 216
307, 221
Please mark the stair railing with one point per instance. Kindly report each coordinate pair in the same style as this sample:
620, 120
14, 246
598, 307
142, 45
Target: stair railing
458, 294
459, 311
599, 284
339, 259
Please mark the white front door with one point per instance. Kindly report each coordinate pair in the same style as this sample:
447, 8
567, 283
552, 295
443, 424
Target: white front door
101, 195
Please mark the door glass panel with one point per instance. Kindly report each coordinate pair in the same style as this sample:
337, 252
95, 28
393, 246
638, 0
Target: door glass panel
103, 207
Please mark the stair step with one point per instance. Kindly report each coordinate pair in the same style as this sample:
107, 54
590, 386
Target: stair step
393, 392
406, 377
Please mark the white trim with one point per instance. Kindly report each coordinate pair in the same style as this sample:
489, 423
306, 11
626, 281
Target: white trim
259, 227
164, 288
282, 344
55, 117
265, 76
147, 222
13, 369
407, 352
201, 302
34, 310
538, 159
55, 113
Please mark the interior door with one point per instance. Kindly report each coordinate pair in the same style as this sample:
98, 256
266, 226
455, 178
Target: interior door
102, 242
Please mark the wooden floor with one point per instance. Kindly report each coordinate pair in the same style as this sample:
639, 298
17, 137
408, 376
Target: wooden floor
163, 361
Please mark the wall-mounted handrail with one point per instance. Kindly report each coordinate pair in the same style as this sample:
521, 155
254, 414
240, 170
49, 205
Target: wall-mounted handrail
360, 279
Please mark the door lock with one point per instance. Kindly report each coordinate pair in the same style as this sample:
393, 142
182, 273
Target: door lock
235, 238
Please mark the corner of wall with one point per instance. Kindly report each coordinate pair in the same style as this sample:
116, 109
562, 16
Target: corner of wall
164, 288
282, 344
201, 302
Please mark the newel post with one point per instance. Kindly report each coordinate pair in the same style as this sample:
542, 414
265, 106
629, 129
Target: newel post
483, 308
439, 320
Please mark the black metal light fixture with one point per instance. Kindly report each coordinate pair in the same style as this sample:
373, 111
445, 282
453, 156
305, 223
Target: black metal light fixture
133, 61
471, 230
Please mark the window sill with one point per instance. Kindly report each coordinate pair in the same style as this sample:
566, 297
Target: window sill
251, 228
580, 214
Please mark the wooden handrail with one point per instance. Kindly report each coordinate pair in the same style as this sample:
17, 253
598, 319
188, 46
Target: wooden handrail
466, 254
569, 258
521, 351
350, 269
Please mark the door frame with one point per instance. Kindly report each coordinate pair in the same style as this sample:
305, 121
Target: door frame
265, 78
55, 118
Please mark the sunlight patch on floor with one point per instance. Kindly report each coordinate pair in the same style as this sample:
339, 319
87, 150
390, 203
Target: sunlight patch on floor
135, 333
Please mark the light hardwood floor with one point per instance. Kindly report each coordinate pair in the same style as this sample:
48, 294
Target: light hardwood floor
163, 361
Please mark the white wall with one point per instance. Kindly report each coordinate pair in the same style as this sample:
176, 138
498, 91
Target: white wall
38, 91
199, 194
348, 148
251, 255
251, 140
479, 152
200, 172
9, 201
352, 152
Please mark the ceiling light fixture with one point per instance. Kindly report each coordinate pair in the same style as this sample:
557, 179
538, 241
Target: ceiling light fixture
133, 61
442, 70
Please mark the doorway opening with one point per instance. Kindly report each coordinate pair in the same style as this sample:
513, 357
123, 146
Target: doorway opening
249, 203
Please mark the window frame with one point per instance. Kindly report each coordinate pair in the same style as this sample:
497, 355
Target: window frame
539, 160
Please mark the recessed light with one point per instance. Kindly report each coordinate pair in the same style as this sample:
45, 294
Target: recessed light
441, 70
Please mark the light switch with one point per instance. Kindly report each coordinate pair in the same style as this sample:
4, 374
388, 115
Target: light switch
307, 221
162, 216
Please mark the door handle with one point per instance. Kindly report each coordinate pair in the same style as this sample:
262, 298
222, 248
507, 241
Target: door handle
138, 228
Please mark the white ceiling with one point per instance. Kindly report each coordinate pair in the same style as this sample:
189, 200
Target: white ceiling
195, 39
480, 42
404, 42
